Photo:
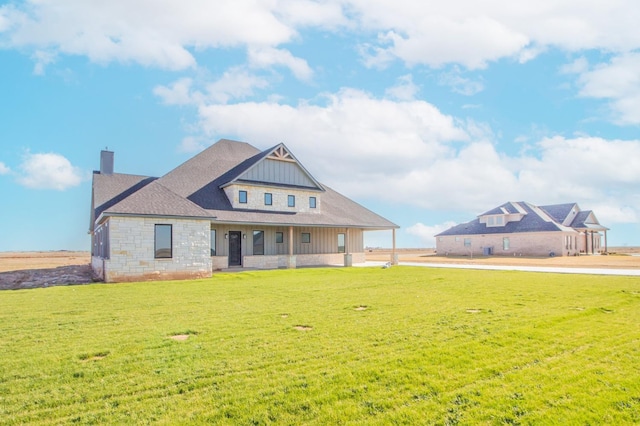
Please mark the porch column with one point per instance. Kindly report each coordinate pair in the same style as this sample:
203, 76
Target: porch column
593, 248
606, 250
348, 260
347, 249
586, 242
291, 259
394, 255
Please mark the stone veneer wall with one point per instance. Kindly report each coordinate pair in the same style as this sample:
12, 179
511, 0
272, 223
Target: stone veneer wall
280, 199
525, 244
132, 250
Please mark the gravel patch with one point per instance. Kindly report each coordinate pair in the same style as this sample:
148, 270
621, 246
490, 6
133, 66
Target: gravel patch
48, 277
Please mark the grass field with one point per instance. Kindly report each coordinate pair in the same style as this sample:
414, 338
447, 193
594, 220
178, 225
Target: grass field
326, 346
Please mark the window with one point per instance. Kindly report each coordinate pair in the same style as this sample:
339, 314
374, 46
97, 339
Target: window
467, 242
491, 221
312, 202
500, 220
306, 237
213, 242
505, 243
341, 248
291, 200
163, 242
268, 199
101, 241
258, 242
242, 197
279, 237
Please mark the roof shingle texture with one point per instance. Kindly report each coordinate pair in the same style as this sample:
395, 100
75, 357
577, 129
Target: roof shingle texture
193, 190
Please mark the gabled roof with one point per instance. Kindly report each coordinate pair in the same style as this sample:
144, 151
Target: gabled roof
560, 212
534, 219
157, 200
195, 189
256, 170
587, 220
109, 189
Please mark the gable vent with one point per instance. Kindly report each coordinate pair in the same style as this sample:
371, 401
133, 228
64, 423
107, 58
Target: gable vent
281, 154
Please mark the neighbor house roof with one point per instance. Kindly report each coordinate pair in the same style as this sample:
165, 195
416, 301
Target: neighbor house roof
195, 189
532, 219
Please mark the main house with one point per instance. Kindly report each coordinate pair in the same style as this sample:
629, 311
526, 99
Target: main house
520, 228
232, 205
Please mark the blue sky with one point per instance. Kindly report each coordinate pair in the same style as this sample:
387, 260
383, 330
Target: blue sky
427, 112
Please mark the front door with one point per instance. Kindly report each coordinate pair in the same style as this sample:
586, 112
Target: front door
235, 248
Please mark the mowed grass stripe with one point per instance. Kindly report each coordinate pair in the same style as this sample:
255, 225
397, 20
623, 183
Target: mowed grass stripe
349, 346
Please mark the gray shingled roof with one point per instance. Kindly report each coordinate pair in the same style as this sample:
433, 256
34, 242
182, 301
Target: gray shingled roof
532, 221
109, 189
559, 212
193, 190
157, 200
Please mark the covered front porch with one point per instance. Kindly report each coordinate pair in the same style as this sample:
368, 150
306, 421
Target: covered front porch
271, 247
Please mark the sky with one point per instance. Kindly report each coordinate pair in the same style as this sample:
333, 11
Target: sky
427, 112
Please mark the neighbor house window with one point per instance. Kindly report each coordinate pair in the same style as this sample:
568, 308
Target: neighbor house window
500, 220
505, 243
268, 199
467, 242
341, 248
492, 221
213, 242
242, 196
306, 237
312, 202
291, 200
258, 242
279, 237
163, 242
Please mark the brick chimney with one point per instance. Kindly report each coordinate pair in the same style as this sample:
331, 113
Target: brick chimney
106, 162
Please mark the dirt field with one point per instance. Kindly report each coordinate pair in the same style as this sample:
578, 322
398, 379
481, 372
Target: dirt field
18, 261
20, 270
42, 269
620, 257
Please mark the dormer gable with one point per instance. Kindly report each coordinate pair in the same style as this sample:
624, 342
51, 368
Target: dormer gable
274, 180
501, 216
276, 166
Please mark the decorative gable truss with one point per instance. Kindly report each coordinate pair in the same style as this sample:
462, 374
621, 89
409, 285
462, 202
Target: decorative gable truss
276, 181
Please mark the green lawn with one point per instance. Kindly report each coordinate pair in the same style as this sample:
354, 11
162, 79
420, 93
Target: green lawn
326, 346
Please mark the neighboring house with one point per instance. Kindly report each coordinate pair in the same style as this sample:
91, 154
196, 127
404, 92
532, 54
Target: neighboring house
229, 206
520, 228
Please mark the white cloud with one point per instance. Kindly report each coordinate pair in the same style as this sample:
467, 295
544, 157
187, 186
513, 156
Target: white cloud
404, 90
408, 153
235, 83
4, 170
460, 84
619, 82
177, 93
472, 33
167, 34
191, 144
160, 34
426, 232
266, 57
48, 171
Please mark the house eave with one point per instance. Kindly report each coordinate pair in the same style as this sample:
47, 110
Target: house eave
309, 225
103, 216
